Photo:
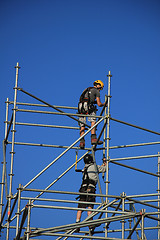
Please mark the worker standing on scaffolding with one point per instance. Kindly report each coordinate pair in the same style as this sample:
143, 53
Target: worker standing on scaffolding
86, 105
88, 185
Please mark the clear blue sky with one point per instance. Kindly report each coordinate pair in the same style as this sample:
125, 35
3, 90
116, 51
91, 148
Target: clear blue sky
63, 47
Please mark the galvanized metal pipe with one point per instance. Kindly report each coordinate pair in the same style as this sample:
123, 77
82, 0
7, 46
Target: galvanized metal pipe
123, 209
12, 148
104, 133
144, 195
135, 126
76, 208
136, 157
134, 145
18, 208
45, 125
67, 192
108, 142
56, 200
77, 236
45, 145
59, 113
142, 231
133, 168
4, 177
41, 105
158, 190
96, 171
28, 220
128, 229
143, 203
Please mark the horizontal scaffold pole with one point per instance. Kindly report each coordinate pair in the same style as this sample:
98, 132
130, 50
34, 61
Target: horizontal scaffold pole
76, 208
146, 204
134, 145
136, 169
56, 200
58, 113
79, 236
40, 100
40, 105
44, 125
45, 145
136, 157
135, 126
72, 193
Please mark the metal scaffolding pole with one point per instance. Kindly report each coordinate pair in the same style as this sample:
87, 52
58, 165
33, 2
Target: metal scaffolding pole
12, 149
28, 220
42, 105
96, 171
142, 232
158, 190
4, 178
123, 209
108, 140
135, 126
18, 208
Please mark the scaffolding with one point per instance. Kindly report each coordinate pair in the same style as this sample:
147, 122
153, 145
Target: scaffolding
113, 217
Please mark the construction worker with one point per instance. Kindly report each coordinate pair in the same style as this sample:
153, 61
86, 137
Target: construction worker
86, 105
88, 185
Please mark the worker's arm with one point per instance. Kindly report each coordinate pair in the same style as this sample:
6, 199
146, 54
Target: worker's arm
102, 168
99, 102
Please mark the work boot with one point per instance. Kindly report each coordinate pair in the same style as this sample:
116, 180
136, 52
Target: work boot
77, 229
94, 140
82, 143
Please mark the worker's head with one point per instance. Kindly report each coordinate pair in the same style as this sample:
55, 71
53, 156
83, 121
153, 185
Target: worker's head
88, 158
99, 84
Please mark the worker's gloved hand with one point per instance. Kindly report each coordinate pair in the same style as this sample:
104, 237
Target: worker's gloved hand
104, 161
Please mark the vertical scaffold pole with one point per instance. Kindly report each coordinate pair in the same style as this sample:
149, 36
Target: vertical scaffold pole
4, 161
18, 208
12, 148
142, 226
158, 190
104, 135
108, 139
29, 218
123, 209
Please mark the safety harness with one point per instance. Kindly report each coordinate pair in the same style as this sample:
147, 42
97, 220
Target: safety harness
86, 181
85, 98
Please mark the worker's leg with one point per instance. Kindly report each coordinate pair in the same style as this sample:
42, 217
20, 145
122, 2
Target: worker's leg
82, 131
92, 119
93, 131
79, 214
89, 212
94, 136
